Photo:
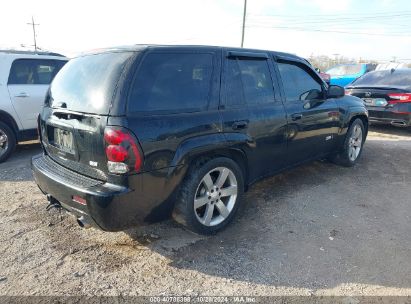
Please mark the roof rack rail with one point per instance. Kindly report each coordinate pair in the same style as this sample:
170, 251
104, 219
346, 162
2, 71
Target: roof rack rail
45, 53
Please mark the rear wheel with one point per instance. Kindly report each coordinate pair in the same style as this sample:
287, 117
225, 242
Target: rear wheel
210, 196
353, 144
7, 141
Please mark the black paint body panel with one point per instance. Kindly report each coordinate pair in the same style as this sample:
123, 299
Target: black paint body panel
270, 143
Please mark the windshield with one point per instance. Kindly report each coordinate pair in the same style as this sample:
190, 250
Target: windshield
87, 84
397, 79
342, 70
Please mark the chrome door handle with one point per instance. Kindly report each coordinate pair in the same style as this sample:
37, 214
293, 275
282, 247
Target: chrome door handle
22, 95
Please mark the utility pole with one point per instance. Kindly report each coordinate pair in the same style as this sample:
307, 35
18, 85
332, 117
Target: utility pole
34, 31
244, 15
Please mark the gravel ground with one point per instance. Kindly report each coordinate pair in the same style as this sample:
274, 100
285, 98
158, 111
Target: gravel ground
318, 229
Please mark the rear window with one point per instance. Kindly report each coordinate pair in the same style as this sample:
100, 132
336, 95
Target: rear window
87, 84
172, 83
397, 79
342, 70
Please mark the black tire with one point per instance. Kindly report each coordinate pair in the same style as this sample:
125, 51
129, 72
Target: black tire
11, 142
342, 158
184, 211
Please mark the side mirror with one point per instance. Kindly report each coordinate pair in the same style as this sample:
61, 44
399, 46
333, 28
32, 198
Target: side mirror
335, 91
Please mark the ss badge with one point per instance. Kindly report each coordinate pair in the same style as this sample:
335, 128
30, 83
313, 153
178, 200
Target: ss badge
93, 163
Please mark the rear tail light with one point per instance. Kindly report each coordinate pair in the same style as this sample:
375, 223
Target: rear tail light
122, 151
399, 98
347, 92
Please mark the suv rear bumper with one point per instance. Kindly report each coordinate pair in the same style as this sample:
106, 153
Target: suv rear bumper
389, 116
108, 207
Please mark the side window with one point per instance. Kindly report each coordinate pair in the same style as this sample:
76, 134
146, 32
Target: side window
298, 84
233, 86
172, 82
34, 71
248, 81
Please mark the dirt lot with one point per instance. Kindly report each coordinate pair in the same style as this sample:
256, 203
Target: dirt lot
318, 229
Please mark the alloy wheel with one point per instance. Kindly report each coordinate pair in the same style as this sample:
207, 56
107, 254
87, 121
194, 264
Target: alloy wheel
215, 196
4, 143
355, 143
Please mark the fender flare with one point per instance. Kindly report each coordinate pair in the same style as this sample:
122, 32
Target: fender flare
354, 112
227, 145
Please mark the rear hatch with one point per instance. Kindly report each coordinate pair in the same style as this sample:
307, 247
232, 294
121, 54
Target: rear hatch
374, 98
81, 97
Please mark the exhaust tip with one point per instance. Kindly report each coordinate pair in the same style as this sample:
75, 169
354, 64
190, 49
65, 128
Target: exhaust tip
83, 223
398, 123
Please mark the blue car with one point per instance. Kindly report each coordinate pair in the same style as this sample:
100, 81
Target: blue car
344, 74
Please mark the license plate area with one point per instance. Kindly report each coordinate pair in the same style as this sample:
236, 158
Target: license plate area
61, 141
375, 102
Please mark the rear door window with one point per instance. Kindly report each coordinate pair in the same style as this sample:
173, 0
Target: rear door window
172, 83
298, 84
34, 71
248, 81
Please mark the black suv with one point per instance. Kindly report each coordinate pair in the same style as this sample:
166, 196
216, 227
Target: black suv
132, 135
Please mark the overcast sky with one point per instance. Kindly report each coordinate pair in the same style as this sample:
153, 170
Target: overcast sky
372, 29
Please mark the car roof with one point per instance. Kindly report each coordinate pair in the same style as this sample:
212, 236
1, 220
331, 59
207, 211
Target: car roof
390, 71
30, 54
142, 47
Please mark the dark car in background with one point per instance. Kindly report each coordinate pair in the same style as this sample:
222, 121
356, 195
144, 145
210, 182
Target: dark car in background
386, 94
132, 135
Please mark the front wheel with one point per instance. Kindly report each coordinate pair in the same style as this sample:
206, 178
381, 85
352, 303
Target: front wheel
7, 141
353, 144
210, 196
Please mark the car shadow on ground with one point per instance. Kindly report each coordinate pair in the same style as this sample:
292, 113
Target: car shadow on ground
317, 226
391, 130
17, 167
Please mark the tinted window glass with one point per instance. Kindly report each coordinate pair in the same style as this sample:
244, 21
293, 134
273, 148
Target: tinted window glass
298, 84
396, 79
233, 85
87, 84
172, 83
34, 71
248, 81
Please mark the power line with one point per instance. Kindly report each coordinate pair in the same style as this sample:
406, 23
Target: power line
328, 22
351, 15
388, 30
346, 24
300, 29
404, 17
